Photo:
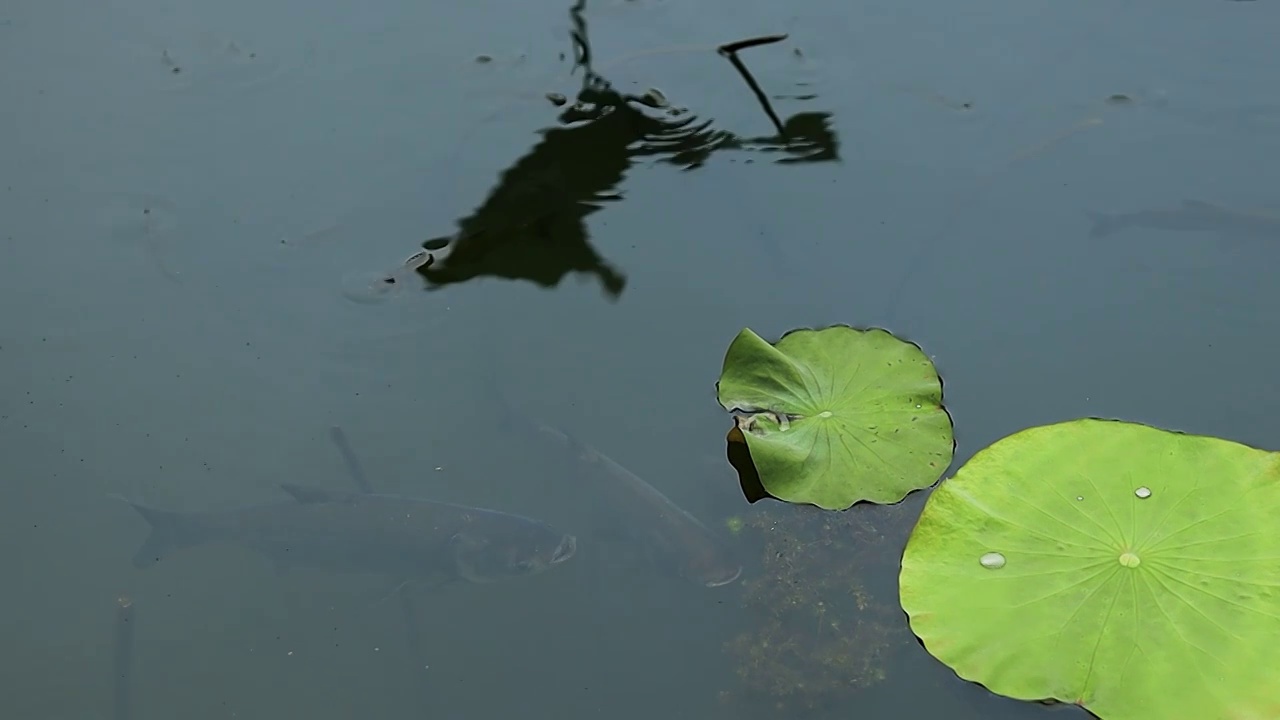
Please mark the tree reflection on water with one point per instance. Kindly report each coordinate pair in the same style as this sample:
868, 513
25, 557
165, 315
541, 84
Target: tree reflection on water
532, 225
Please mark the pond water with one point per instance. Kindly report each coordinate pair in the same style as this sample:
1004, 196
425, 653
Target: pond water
1071, 207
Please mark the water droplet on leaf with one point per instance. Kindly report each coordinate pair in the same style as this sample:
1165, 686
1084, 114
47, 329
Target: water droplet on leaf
1143, 492
1130, 560
992, 561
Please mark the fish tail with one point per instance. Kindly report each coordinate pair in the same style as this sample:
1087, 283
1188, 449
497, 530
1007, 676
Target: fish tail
1103, 225
169, 530
512, 423
354, 469
506, 417
510, 419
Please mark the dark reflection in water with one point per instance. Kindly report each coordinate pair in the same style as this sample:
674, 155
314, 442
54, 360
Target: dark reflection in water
739, 457
532, 226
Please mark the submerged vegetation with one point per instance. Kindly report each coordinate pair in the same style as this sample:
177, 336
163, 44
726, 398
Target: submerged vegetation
818, 630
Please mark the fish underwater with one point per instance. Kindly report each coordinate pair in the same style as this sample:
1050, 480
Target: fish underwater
634, 510
350, 532
1191, 216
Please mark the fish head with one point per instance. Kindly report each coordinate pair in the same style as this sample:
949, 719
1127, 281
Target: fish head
711, 571
706, 561
514, 550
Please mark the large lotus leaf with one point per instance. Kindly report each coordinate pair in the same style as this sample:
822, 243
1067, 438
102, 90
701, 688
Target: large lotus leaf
838, 415
1130, 570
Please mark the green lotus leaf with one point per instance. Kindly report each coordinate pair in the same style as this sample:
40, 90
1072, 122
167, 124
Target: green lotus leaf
1127, 569
838, 415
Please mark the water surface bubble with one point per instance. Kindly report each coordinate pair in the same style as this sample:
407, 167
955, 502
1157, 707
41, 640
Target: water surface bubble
992, 561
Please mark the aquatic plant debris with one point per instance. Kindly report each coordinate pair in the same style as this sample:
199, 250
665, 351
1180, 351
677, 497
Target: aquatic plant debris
1134, 605
839, 415
816, 632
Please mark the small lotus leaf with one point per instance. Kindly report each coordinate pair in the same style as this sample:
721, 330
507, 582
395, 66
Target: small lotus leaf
838, 415
1130, 570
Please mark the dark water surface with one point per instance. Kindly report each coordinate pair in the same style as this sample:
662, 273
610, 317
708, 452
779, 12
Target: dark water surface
201, 203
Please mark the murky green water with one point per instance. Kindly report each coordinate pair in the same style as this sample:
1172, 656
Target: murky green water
201, 204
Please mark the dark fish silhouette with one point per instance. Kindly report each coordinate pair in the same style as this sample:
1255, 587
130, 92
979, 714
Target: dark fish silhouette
670, 536
392, 535
1192, 216
635, 511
